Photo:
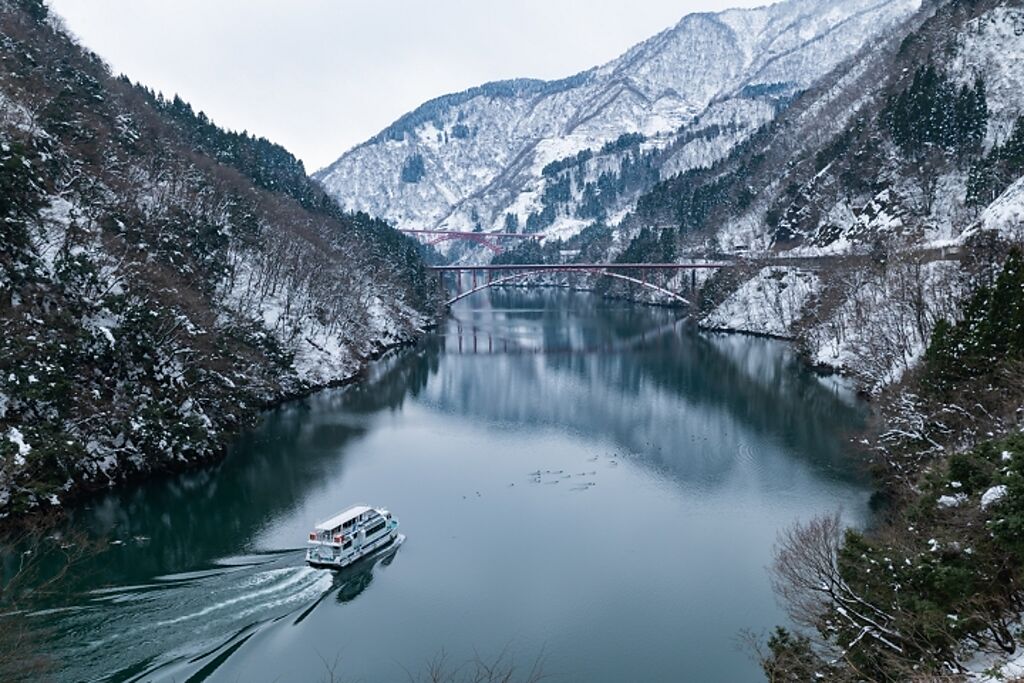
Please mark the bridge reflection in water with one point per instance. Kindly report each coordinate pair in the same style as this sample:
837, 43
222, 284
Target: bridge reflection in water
473, 340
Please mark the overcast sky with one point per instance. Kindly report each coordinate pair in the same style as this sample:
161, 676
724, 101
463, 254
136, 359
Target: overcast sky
320, 76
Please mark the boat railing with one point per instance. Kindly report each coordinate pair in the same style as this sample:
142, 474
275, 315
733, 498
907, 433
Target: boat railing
328, 537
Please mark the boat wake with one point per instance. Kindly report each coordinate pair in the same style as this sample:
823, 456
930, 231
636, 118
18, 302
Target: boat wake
185, 626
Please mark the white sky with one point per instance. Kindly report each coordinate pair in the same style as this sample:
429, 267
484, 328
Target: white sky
320, 76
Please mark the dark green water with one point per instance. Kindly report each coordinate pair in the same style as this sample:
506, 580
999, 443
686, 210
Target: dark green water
668, 462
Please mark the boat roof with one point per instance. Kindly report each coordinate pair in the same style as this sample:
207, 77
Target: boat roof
342, 517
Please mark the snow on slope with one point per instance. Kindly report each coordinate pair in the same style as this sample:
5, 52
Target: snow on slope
769, 303
483, 151
1005, 215
877, 332
868, 321
992, 47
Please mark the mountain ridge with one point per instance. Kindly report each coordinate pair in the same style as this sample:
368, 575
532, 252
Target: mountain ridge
479, 153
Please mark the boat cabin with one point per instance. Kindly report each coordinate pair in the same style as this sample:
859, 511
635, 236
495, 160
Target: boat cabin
350, 535
356, 522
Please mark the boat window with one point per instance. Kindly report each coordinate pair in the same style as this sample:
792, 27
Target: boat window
376, 528
348, 544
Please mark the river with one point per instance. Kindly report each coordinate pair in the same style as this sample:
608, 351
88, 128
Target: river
590, 483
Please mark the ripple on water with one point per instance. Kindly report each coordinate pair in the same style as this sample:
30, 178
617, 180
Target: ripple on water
179, 621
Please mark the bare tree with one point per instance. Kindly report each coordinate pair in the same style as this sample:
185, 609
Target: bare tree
837, 618
499, 669
36, 559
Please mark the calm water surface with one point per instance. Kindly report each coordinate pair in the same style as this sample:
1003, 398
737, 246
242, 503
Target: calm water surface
585, 480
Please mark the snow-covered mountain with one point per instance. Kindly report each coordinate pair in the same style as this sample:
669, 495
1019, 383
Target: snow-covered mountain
555, 156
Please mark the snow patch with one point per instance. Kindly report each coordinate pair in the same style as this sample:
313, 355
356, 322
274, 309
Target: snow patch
1004, 216
992, 47
875, 333
770, 303
1005, 670
103, 323
952, 501
15, 436
993, 496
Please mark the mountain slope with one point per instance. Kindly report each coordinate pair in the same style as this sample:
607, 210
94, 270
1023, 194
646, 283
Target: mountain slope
161, 279
507, 155
879, 167
898, 170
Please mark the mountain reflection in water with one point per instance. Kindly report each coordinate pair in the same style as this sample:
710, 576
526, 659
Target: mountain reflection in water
593, 480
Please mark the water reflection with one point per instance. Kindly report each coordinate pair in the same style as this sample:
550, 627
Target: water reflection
721, 439
659, 394
350, 583
216, 512
640, 379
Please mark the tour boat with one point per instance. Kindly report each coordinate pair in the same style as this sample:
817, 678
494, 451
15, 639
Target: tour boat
351, 535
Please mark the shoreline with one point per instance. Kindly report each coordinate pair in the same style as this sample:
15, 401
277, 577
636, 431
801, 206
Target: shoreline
82, 492
820, 369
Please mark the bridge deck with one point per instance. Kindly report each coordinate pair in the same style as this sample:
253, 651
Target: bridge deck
475, 235
562, 267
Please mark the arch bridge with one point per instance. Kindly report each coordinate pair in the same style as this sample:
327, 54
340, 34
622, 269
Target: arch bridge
641, 274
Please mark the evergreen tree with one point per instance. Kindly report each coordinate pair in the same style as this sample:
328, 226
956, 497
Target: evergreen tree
932, 112
978, 115
668, 245
36, 9
511, 223
991, 332
1012, 151
991, 175
982, 183
414, 169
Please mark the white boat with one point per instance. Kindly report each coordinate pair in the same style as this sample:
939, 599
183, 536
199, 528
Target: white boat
350, 536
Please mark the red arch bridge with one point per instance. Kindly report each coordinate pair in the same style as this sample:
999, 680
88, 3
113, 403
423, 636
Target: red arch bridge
488, 240
468, 280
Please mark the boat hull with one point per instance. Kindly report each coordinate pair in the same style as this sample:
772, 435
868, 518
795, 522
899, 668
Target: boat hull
389, 540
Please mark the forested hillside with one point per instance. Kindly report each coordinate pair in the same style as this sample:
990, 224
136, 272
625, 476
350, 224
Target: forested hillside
936, 589
162, 279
